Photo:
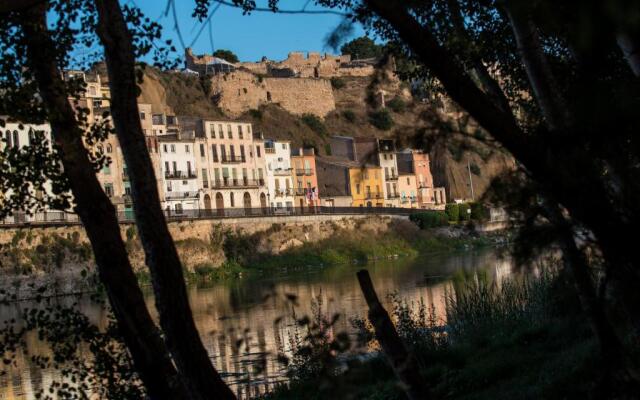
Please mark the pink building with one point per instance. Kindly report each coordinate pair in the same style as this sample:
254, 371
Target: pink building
417, 163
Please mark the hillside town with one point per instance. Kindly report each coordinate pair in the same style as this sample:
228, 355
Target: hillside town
214, 167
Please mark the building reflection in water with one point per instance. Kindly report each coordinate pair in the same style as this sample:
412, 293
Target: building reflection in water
245, 323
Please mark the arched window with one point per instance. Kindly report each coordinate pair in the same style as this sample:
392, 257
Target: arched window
7, 138
109, 148
16, 139
231, 199
100, 148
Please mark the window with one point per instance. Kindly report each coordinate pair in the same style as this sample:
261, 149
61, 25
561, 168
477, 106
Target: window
16, 139
205, 180
142, 116
249, 129
166, 167
201, 150
242, 152
231, 198
232, 152
108, 189
175, 167
8, 139
240, 135
284, 146
408, 181
169, 188
258, 152
187, 148
229, 134
173, 148
109, 148
213, 131
220, 131
214, 152
188, 168
358, 188
178, 208
164, 148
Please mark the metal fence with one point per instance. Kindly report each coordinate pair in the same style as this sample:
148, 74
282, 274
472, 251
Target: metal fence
64, 218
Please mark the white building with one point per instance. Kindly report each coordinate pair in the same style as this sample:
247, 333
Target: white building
279, 172
16, 135
178, 170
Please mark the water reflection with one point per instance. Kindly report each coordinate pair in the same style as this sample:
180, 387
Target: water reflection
248, 309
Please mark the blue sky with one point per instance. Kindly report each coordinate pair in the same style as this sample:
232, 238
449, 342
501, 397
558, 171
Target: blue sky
249, 36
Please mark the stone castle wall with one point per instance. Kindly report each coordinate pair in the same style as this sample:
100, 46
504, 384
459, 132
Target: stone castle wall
314, 65
240, 91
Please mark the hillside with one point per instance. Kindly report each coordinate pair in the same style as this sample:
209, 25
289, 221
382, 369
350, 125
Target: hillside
356, 99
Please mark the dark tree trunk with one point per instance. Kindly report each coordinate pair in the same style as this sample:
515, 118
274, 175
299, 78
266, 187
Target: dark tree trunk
176, 319
538, 70
98, 216
403, 362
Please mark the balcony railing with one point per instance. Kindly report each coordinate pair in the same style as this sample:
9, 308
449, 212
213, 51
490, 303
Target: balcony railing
231, 183
390, 177
284, 192
227, 159
270, 150
302, 171
369, 196
391, 196
182, 195
282, 171
180, 175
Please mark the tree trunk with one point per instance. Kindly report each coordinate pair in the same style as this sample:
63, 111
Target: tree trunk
403, 362
148, 351
176, 319
541, 78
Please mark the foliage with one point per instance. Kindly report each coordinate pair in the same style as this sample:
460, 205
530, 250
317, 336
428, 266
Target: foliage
381, 119
315, 123
91, 361
464, 211
429, 219
349, 115
453, 212
226, 55
255, 114
337, 83
397, 104
475, 169
361, 48
479, 212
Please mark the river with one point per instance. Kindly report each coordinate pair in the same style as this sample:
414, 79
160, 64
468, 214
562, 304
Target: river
229, 310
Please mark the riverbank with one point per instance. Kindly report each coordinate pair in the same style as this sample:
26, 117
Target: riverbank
60, 260
520, 340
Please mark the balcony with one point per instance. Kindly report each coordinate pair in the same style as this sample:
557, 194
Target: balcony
282, 171
390, 177
307, 172
422, 185
225, 159
270, 150
370, 196
284, 192
236, 183
181, 195
391, 196
180, 175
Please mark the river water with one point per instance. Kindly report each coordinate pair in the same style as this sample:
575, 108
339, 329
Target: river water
249, 308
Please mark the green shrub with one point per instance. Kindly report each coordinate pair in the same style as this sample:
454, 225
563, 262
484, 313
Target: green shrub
464, 211
337, 83
397, 104
314, 123
479, 212
453, 212
349, 115
381, 119
256, 114
429, 219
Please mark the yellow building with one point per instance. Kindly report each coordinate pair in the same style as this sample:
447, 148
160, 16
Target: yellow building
366, 183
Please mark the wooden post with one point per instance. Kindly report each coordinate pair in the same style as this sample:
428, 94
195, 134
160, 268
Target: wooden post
402, 362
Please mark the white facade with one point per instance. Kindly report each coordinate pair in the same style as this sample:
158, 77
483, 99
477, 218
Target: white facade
16, 136
180, 178
279, 174
389, 165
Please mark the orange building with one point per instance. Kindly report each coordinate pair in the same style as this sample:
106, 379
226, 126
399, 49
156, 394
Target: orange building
305, 179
